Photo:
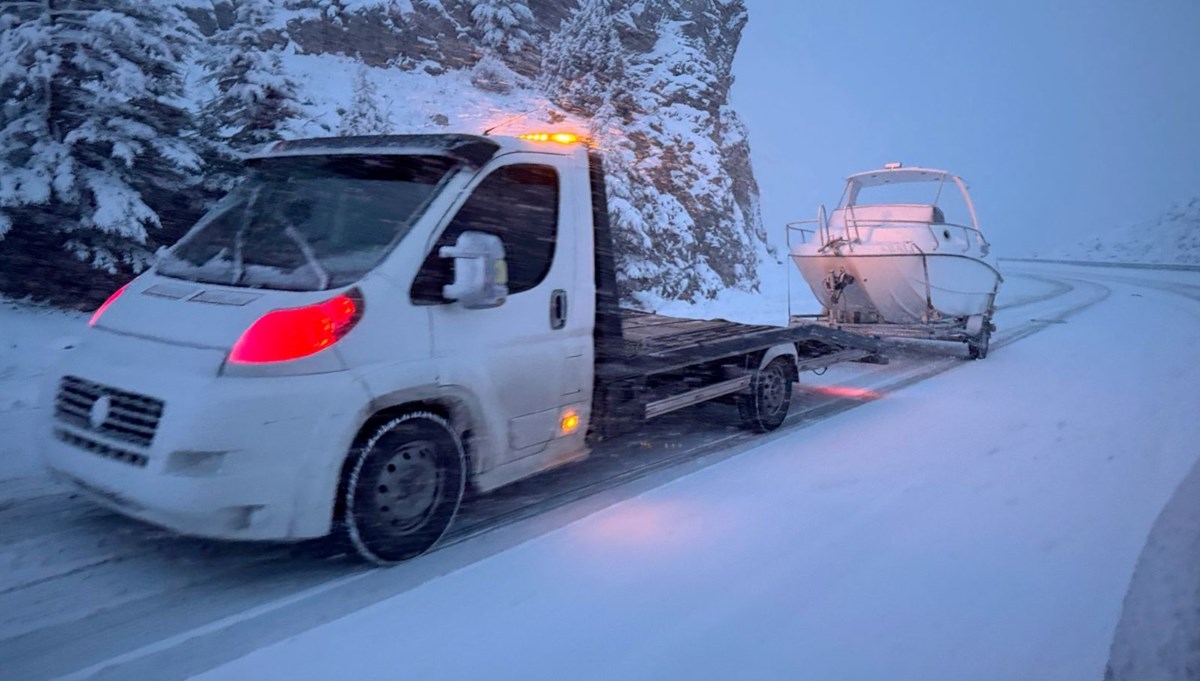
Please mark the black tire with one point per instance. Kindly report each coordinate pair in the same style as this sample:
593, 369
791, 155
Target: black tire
977, 347
403, 488
765, 405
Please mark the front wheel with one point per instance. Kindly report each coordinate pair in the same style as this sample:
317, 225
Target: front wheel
404, 488
764, 407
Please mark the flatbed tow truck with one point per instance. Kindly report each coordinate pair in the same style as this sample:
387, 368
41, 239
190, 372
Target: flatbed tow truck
368, 325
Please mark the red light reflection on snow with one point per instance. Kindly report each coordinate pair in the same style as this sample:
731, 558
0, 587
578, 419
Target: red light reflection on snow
845, 392
641, 523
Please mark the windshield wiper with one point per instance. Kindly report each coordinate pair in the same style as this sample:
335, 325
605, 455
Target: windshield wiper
239, 238
309, 255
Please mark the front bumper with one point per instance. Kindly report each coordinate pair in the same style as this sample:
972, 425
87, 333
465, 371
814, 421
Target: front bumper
229, 458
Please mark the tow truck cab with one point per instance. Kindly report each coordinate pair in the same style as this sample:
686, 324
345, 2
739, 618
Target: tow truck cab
367, 325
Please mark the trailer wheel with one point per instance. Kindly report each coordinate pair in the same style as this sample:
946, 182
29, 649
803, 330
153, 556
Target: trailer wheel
764, 407
977, 347
404, 488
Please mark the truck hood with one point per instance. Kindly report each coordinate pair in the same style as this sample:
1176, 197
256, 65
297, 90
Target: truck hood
195, 314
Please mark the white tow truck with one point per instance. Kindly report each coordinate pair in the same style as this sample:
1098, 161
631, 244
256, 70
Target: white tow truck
366, 326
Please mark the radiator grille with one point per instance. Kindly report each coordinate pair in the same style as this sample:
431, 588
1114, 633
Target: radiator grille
118, 414
100, 449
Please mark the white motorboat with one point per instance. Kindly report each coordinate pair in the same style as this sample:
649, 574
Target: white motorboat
887, 255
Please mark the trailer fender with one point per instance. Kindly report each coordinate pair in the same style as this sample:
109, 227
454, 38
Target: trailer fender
975, 324
783, 349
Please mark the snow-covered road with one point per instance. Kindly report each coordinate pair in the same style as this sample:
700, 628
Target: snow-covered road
969, 520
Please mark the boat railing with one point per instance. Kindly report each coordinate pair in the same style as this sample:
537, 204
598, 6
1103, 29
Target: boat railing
852, 221
853, 227
821, 228
804, 232
972, 237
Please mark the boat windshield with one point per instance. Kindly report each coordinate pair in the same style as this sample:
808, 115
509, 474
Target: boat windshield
925, 193
911, 188
308, 223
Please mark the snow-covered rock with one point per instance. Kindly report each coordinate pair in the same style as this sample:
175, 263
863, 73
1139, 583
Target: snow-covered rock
652, 79
1173, 237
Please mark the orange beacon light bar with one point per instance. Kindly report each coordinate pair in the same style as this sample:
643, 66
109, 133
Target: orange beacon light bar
560, 137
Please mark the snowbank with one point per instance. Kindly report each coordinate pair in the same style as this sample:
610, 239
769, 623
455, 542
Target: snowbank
30, 339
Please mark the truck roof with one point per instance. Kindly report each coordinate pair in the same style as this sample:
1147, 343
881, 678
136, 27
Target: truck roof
474, 150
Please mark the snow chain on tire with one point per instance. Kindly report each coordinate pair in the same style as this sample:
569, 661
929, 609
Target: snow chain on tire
449, 464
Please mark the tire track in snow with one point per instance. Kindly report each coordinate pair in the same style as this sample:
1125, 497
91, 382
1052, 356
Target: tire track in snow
1059, 288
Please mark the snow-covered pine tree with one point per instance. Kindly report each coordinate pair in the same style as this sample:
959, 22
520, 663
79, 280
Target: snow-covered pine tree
503, 25
587, 71
505, 47
365, 116
92, 131
255, 100
584, 66
652, 77
29, 156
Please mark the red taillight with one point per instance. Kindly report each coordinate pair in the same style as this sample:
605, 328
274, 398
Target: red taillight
104, 306
298, 332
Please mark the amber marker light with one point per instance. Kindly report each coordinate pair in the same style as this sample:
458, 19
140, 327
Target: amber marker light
569, 422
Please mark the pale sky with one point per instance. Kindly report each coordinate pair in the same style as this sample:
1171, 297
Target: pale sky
1065, 117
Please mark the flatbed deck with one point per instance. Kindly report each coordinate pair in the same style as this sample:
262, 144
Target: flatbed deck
663, 363
654, 343
946, 330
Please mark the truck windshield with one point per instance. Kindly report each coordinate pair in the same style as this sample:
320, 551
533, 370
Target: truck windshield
307, 223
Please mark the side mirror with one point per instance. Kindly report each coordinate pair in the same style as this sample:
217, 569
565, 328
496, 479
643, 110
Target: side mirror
480, 270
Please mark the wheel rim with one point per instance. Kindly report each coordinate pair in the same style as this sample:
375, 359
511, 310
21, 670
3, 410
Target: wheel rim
773, 390
408, 487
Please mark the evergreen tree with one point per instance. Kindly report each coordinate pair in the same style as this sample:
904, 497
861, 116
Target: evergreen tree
29, 156
365, 117
255, 100
584, 66
503, 25
92, 130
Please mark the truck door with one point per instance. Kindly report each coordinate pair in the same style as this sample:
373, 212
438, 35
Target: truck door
529, 360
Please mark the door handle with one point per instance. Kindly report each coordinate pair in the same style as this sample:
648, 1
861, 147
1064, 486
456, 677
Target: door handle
558, 309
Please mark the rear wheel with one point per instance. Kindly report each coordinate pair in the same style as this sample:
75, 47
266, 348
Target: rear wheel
977, 347
404, 488
764, 407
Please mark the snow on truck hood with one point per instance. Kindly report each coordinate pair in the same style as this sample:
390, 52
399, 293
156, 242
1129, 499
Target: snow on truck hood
196, 314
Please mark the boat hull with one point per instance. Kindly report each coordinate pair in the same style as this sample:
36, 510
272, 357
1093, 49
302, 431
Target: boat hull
900, 288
